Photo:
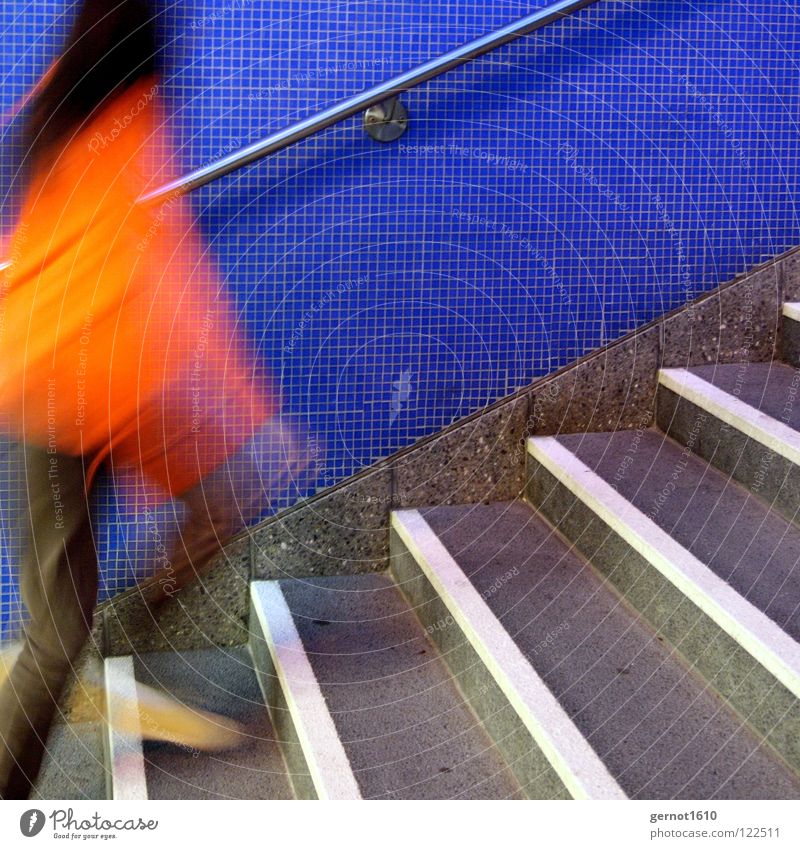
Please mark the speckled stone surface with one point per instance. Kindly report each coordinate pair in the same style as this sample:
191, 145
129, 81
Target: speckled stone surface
73, 765
652, 720
759, 698
738, 322
610, 390
221, 681
211, 611
752, 548
790, 341
481, 460
536, 777
790, 272
79, 703
282, 720
404, 725
344, 532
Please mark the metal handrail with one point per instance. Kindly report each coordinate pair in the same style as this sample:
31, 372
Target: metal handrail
371, 97
358, 103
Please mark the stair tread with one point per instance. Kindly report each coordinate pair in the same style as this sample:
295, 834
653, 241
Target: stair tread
772, 388
402, 721
754, 549
660, 731
221, 680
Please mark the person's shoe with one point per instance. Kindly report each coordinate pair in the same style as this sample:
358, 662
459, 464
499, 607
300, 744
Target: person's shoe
157, 716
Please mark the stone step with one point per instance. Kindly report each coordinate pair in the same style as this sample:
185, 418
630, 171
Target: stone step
73, 766
627, 715
548, 753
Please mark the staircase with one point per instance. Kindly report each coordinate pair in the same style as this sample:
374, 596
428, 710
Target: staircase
628, 629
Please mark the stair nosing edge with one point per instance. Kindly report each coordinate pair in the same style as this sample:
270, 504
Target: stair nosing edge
791, 310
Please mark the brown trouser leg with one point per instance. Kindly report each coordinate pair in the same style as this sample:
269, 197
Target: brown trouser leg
58, 580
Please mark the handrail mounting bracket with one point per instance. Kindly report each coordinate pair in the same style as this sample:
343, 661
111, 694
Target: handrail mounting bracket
386, 121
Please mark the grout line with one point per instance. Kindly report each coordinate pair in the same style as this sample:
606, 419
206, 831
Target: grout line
327, 760
765, 641
575, 762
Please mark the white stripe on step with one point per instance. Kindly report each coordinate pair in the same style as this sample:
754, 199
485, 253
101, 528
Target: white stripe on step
326, 758
125, 751
765, 641
573, 759
770, 432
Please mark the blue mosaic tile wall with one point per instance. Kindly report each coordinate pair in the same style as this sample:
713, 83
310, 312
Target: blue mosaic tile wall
546, 199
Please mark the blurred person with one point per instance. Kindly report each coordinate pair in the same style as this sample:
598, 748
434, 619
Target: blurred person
119, 351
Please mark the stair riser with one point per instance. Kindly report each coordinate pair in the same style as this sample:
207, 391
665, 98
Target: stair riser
764, 471
285, 731
530, 766
790, 341
769, 707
